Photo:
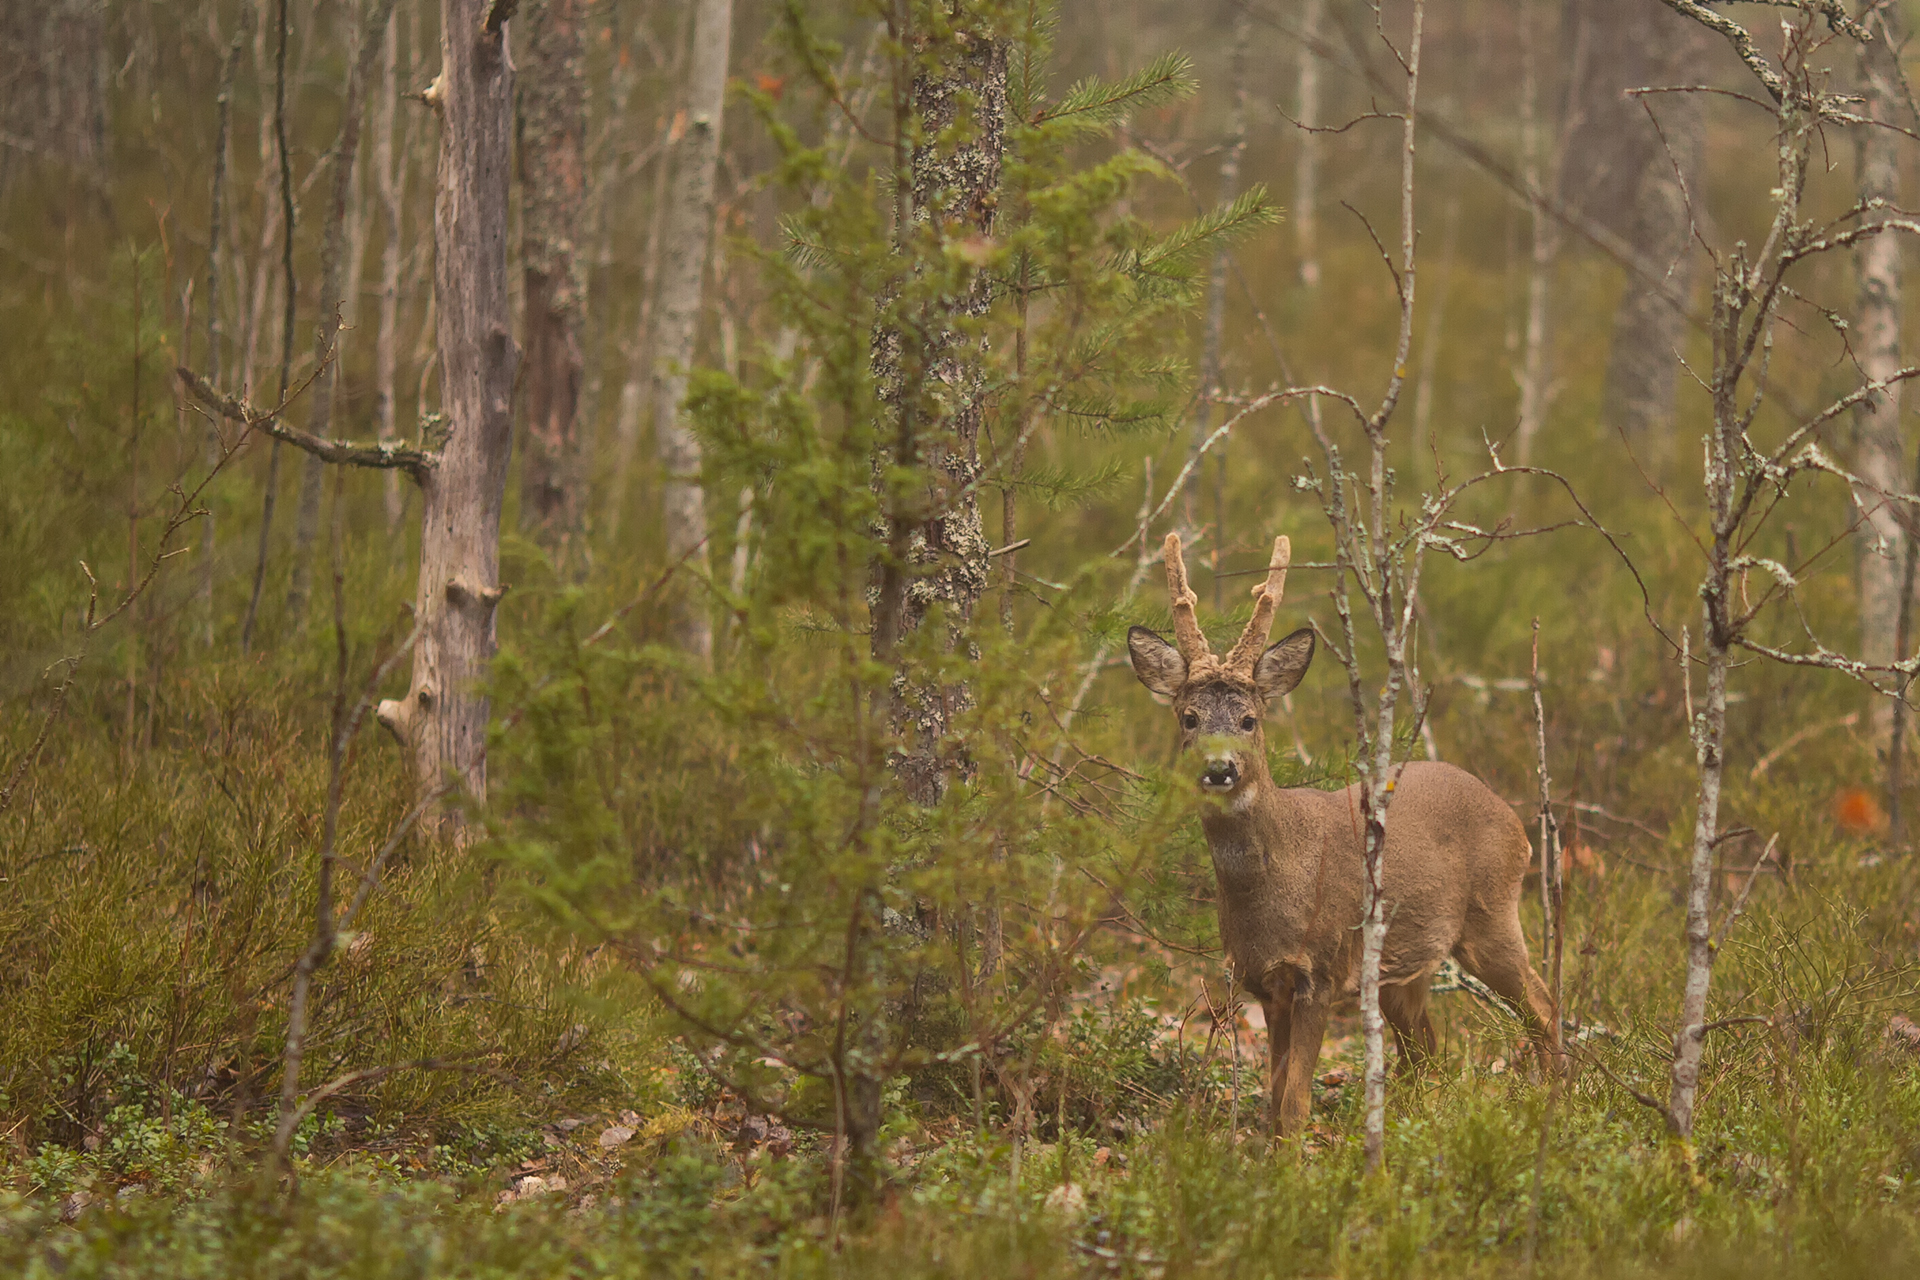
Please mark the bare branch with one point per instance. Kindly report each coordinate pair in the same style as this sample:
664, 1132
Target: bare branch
387, 456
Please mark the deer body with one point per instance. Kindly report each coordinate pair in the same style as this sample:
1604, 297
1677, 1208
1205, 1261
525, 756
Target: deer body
1290, 862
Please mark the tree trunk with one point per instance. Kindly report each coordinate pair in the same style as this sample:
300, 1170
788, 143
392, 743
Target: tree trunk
1879, 443
933, 389
553, 161
1635, 180
334, 285
1217, 312
1535, 368
1306, 163
1643, 365
687, 231
389, 180
216, 206
633, 391
443, 718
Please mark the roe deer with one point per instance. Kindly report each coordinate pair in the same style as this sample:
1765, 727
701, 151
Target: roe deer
1291, 867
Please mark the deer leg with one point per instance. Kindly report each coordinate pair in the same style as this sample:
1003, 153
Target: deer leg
1499, 959
1405, 1008
1279, 1013
1293, 1103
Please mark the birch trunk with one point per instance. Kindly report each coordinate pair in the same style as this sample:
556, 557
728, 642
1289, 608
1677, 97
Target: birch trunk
443, 718
553, 143
1879, 443
334, 286
1707, 727
633, 392
1534, 371
1306, 163
688, 225
389, 180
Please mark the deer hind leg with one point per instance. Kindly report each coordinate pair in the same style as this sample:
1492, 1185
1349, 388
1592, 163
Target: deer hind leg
1405, 1008
1498, 957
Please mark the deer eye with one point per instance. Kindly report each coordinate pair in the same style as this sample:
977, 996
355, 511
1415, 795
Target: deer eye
1190, 720
1246, 725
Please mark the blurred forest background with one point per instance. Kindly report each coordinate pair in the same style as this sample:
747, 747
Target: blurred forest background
810, 886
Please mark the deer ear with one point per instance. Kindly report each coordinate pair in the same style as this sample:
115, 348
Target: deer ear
1283, 665
1157, 663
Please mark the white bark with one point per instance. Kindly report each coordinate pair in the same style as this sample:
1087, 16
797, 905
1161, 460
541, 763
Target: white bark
443, 718
1535, 371
389, 188
1879, 443
1306, 163
686, 238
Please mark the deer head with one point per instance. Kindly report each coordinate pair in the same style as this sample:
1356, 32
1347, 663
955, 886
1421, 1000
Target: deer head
1221, 703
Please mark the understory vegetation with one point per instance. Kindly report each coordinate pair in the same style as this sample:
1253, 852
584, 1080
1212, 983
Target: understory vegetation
701, 983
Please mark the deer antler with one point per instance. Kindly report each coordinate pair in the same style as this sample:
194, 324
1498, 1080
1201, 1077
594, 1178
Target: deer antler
1266, 598
1186, 628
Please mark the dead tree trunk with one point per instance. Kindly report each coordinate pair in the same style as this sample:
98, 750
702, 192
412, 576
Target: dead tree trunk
553, 161
687, 232
334, 260
1879, 443
443, 718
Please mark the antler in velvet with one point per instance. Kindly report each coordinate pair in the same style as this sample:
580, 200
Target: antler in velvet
1266, 598
1186, 627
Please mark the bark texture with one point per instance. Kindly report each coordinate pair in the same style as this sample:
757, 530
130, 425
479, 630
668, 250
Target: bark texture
553, 164
388, 181
686, 238
1635, 184
1879, 444
1306, 162
53, 83
933, 388
443, 718
335, 285
1217, 313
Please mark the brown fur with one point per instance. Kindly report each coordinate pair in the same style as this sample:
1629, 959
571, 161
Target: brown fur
1291, 869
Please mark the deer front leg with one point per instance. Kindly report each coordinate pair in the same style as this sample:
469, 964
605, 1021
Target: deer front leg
1293, 1099
1279, 1011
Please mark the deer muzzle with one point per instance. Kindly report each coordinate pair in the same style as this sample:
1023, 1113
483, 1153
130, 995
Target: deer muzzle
1219, 773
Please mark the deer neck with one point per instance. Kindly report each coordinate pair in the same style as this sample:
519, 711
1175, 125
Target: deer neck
1248, 832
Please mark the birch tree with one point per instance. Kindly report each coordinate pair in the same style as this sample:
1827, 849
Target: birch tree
553, 160
389, 181
1306, 163
1879, 442
686, 238
1748, 482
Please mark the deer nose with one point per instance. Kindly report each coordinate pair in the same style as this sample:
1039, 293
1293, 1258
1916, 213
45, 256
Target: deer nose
1219, 771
